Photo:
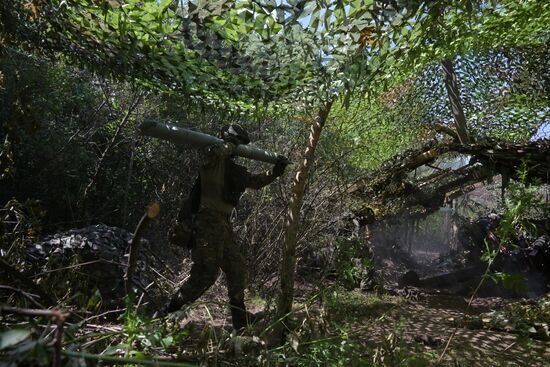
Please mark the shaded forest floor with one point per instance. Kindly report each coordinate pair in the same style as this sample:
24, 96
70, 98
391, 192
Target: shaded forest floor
330, 326
425, 324
352, 328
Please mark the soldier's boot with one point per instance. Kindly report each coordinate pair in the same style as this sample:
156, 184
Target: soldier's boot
238, 314
176, 303
192, 289
254, 318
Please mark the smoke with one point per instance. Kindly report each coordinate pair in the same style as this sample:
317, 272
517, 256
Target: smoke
422, 239
445, 246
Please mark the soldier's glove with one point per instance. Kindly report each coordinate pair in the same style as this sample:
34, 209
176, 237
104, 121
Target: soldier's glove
280, 166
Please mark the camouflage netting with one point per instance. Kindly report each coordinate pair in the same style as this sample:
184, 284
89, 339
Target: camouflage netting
394, 189
89, 262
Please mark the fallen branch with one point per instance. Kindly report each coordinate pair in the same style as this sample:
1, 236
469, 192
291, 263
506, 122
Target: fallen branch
117, 329
441, 128
27, 295
84, 320
70, 267
121, 360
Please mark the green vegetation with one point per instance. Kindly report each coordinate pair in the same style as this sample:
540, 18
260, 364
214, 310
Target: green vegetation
523, 205
340, 87
530, 318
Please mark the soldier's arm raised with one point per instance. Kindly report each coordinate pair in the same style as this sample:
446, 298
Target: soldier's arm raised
257, 181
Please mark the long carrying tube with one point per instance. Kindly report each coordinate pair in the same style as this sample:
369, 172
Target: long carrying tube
180, 135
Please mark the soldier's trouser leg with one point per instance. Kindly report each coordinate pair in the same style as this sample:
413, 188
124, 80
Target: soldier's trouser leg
206, 255
234, 267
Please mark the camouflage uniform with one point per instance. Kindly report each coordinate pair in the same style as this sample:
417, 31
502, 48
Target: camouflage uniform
216, 192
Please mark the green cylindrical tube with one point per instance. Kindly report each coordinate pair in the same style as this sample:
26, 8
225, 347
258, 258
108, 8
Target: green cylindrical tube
180, 135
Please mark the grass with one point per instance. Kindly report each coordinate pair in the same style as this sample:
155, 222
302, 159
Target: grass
342, 304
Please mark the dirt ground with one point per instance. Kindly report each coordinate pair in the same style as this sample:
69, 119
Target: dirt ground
428, 322
419, 322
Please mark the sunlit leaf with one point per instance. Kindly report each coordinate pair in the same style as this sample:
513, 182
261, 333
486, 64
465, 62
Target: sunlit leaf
13, 337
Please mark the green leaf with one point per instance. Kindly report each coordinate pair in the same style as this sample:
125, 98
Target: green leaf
510, 281
137, 354
115, 349
167, 342
12, 337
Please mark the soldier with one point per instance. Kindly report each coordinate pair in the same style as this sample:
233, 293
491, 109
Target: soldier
203, 223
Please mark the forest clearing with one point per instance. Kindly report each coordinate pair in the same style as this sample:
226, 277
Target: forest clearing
274, 183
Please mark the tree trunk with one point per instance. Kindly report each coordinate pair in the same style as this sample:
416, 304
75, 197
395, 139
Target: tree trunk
128, 183
451, 84
288, 262
152, 212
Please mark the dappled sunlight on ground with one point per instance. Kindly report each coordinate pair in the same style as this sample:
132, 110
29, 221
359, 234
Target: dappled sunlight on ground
426, 325
420, 326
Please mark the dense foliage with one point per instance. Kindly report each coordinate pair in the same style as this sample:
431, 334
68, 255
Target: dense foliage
77, 77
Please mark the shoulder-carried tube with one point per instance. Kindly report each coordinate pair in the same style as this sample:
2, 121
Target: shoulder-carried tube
180, 135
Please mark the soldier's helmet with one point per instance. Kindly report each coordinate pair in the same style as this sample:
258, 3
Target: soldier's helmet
235, 134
